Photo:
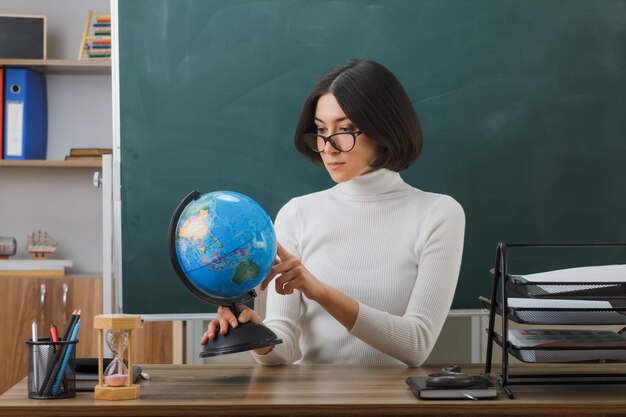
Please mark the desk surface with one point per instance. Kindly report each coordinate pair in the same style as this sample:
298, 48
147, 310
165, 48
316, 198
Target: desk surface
193, 390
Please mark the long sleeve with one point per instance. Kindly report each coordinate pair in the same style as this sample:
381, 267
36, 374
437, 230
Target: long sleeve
411, 337
282, 311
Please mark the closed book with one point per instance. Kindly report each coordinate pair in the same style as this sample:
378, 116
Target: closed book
482, 388
83, 158
34, 264
87, 373
90, 151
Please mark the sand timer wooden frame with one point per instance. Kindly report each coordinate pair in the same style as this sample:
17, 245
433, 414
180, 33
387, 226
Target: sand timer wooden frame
122, 322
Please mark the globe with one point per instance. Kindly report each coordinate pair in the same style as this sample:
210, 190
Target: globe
222, 245
225, 245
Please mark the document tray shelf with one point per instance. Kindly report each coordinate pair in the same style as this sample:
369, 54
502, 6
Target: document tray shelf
561, 316
610, 293
564, 354
569, 290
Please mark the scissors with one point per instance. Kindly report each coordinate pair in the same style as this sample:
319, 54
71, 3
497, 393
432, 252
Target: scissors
449, 377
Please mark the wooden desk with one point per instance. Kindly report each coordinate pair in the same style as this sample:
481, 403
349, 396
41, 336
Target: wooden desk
194, 390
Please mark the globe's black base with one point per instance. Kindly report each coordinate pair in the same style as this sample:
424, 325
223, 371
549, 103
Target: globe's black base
246, 336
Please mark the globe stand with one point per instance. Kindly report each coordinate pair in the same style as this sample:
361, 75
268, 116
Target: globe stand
246, 336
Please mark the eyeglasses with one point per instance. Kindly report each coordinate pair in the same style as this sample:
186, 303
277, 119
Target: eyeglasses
342, 141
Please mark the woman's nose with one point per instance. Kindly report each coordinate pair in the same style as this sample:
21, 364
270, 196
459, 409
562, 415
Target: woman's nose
329, 148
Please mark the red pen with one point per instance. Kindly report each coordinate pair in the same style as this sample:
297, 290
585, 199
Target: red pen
54, 335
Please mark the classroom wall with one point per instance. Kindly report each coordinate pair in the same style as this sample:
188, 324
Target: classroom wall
62, 201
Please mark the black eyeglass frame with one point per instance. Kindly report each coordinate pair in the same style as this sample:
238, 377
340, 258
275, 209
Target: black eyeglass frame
332, 143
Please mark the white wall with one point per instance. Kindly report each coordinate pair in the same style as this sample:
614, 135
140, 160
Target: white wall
62, 201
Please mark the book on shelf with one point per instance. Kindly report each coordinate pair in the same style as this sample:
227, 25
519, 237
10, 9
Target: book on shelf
83, 158
90, 151
482, 388
34, 264
27, 267
87, 154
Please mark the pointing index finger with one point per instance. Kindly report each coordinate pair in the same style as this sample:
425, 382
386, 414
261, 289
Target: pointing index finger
282, 253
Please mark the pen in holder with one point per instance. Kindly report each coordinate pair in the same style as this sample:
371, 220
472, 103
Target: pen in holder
51, 369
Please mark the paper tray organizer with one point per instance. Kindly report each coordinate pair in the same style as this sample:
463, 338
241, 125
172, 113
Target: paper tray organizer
565, 297
551, 312
605, 282
611, 347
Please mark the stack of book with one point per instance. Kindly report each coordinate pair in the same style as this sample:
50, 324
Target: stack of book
88, 154
34, 267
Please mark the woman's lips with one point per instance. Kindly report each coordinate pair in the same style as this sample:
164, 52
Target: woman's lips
334, 165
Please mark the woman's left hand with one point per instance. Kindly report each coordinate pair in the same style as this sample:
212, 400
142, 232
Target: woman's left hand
293, 276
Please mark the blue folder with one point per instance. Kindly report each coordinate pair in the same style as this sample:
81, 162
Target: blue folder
25, 114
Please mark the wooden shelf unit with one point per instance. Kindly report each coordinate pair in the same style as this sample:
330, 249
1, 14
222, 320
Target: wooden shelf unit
61, 66
44, 163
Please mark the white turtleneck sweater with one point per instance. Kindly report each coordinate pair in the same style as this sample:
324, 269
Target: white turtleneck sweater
393, 248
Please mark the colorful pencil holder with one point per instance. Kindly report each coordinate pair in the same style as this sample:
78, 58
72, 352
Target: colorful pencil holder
51, 369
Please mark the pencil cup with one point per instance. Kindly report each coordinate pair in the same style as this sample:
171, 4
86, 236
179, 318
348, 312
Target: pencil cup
51, 369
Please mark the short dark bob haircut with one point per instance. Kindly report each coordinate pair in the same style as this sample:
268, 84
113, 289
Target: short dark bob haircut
375, 101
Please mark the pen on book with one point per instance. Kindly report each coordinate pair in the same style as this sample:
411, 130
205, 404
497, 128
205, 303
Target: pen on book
466, 395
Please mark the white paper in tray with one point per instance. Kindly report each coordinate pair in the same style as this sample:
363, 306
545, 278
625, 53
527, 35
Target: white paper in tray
600, 340
568, 356
586, 276
563, 316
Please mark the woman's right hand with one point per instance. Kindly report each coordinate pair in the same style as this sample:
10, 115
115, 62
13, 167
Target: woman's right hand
226, 319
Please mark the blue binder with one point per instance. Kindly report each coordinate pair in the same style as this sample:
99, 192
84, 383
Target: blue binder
25, 114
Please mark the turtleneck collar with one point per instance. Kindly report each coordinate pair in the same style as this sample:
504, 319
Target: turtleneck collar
376, 183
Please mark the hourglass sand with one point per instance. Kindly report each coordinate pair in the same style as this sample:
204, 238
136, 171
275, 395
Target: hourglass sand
116, 373
115, 383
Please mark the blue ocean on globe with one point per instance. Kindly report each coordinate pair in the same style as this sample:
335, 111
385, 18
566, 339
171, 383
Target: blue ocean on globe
225, 244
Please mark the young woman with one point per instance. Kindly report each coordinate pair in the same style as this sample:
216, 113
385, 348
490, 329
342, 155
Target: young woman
367, 268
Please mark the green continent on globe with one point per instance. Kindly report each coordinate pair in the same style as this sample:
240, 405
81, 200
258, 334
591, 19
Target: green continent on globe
245, 271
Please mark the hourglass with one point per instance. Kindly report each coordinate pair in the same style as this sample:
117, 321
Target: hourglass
115, 383
116, 374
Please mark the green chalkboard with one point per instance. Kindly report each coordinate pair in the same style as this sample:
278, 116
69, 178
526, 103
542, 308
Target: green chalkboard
523, 105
